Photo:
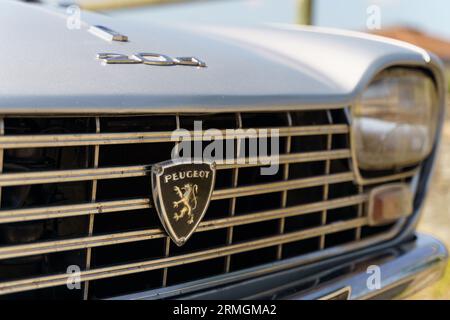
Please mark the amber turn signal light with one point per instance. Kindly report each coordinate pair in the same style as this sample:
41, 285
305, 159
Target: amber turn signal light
389, 203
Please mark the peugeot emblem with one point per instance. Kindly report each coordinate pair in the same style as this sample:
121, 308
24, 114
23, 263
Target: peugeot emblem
182, 190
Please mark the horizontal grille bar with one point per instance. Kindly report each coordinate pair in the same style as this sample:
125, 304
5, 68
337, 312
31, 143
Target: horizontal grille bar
28, 178
73, 210
281, 185
58, 176
118, 270
395, 176
64, 140
123, 237
285, 158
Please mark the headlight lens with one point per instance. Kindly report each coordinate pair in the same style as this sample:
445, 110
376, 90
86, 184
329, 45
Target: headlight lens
395, 120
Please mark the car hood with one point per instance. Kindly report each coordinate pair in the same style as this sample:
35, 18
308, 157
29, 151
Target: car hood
48, 67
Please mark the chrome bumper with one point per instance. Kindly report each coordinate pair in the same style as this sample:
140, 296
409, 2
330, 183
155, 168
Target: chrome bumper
403, 271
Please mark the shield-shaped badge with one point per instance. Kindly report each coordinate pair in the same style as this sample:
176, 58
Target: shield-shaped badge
181, 193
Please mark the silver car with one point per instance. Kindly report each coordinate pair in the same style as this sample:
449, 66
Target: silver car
97, 204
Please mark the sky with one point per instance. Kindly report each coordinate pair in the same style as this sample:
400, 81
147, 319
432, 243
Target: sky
432, 16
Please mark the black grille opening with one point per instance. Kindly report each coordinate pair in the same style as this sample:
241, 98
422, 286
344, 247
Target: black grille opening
47, 125
195, 271
302, 222
137, 187
127, 252
255, 231
342, 214
126, 221
257, 203
41, 265
107, 288
224, 179
339, 166
250, 259
209, 121
138, 123
339, 190
318, 117
217, 209
304, 196
309, 143
340, 141
264, 120
339, 238
305, 170
201, 241
134, 154
371, 231
300, 247
250, 176
36, 195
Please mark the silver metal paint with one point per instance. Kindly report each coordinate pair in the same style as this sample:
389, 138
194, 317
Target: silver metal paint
107, 34
241, 61
301, 68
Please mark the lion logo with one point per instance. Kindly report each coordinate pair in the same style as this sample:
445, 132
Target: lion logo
182, 190
188, 198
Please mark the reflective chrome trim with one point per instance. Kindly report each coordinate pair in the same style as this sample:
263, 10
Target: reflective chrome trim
281, 185
284, 195
28, 178
64, 140
112, 271
41, 177
414, 266
92, 215
433, 67
40, 213
235, 180
141, 235
341, 294
107, 34
287, 158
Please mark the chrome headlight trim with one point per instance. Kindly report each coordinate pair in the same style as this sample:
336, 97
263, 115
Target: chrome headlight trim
434, 67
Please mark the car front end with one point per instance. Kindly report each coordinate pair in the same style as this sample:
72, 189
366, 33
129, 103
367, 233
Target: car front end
86, 121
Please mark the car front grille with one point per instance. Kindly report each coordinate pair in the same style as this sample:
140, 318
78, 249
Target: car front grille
76, 195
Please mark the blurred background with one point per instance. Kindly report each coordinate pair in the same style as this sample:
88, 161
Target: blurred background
424, 23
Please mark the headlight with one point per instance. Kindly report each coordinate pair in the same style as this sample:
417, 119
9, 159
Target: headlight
394, 122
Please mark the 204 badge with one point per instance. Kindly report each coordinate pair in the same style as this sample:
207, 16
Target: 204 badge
182, 190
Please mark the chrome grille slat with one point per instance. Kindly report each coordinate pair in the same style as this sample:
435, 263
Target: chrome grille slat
64, 140
323, 218
281, 185
234, 178
287, 158
167, 239
285, 192
18, 215
113, 271
132, 236
29, 178
92, 215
